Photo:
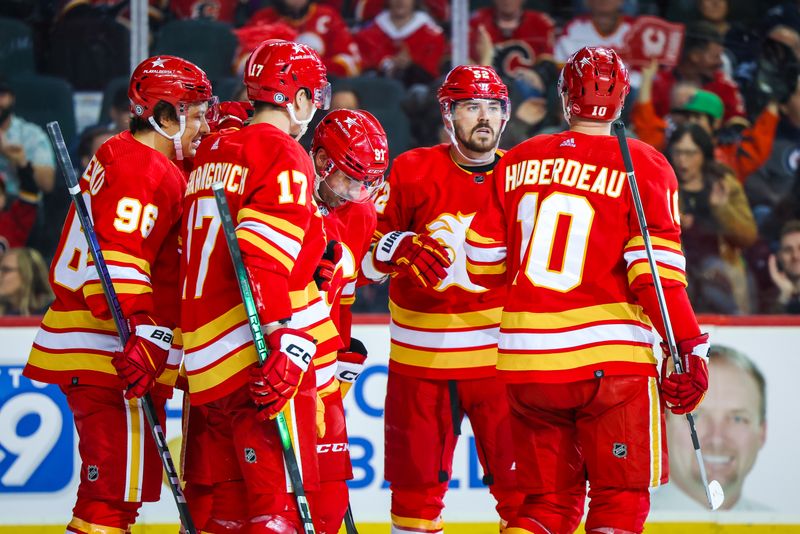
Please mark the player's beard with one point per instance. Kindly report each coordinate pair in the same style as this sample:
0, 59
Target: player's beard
475, 145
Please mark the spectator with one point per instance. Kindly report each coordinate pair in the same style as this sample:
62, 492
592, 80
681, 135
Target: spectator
771, 188
251, 36
345, 98
515, 41
403, 43
716, 223
221, 10
701, 64
740, 43
90, 141
24, 147
743, 153
120, 111
784, 270
17, 216
24, 283
604, 25
319, 26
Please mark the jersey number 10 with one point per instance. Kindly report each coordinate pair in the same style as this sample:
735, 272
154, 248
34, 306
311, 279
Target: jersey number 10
541, 247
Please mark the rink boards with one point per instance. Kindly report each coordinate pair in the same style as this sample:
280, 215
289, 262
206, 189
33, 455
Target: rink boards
39, 462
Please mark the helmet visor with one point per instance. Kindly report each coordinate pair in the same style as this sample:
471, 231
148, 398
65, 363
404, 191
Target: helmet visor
352, 189
322, 96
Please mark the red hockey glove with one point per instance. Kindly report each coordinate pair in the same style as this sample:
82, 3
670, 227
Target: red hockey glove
684, 392
417, 255
324, 272
350, 364
144, 356
228, 115
275, 383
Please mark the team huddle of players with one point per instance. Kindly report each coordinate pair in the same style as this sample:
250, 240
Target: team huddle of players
520, 296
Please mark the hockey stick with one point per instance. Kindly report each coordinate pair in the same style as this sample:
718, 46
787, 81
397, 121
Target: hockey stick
65, 165
714, 493
262, 351
349, 521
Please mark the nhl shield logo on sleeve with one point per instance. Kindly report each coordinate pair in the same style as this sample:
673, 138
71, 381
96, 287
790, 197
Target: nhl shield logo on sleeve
250, 455
92, 473
620, 450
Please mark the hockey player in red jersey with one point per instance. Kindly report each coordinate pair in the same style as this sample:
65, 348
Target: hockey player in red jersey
350, 153
269, 182
444, 327
561, 233
134, 192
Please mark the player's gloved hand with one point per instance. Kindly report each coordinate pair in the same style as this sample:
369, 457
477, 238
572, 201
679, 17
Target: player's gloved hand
228, 115
350, 364
418, 255
145, 354
684, 392
326, 269
275, 383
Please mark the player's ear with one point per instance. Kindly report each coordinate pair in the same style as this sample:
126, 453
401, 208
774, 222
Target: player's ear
320, 159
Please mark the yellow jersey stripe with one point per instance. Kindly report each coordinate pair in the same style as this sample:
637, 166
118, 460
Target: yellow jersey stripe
638, 241
473, 268
68, 361
224, 323
76, 320
475, 237
220, 372
444, 321
122, 257
655, 433
125, 288
618, 311
456, 359
416, 523
664, 272
271, 220
561, 361
262, 244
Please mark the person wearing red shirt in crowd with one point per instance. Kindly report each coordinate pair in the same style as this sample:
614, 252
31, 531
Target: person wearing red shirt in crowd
221, 10
403, 43
701, 63
361, 11
517, 40
319, 26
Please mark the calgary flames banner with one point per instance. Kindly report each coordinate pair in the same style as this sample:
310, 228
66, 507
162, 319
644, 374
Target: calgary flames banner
652, 38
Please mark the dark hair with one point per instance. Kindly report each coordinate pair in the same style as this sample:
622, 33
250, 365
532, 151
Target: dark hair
120, 99
712, 169
162, 111
699, 35
791, 227
738, 359
88, 137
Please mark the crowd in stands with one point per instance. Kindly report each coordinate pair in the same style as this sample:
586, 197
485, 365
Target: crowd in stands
727, 115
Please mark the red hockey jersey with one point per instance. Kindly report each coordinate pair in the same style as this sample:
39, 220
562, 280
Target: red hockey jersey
268, 179
531, 41
719, 84
450, 331
560, 231
381, 41
324, 30
134, 194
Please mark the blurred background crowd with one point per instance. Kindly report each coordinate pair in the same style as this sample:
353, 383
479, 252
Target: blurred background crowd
726, 114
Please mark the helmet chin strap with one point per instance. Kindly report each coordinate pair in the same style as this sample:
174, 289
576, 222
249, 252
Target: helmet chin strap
176, 139
304, 123
451, 131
